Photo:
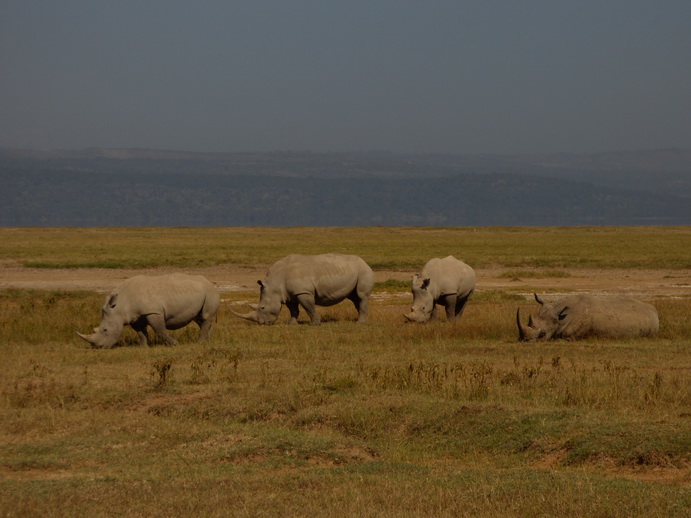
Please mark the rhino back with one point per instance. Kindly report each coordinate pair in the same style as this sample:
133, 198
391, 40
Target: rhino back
623, 316
328, 276
179, 297
448, 275
613, 317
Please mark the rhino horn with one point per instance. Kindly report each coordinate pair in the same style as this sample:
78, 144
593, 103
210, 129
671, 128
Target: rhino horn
88, 338
252, 315
408, 317
521, 329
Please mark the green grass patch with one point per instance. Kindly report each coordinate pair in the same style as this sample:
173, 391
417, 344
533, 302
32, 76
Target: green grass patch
392, 285
520, 248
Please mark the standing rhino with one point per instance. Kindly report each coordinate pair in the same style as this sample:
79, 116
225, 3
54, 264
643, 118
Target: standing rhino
448, 282
583, 315
309, 281
163, 302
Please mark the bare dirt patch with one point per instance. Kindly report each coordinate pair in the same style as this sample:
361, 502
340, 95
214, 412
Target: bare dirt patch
637, 283
229, 278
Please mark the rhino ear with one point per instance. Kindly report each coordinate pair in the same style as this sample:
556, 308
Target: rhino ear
261, 284
112, 301
563, 313
425, 283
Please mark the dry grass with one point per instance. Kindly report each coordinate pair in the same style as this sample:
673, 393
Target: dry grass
343, 419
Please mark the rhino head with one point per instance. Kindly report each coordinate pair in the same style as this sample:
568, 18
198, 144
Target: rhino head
266, 312
106, 335
544, 325
423, 301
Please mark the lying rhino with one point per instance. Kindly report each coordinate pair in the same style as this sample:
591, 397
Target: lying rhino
309, 281
580, 316
163, 302
448, 282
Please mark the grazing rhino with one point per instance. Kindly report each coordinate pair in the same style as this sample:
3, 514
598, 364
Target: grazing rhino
583, 315
448, 282
309, 281
162, 302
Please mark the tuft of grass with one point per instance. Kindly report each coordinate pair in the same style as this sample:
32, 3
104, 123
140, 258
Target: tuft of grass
392, 285
495, 296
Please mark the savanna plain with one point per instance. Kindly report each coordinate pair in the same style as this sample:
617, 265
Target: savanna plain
377, 419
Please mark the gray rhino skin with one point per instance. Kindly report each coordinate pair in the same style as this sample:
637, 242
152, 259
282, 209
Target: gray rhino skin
163, 302
581, 316
448, 282
310, 281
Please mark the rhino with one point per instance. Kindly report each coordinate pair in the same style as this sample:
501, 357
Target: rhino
448, 282
310, 281
584, 315
162, 302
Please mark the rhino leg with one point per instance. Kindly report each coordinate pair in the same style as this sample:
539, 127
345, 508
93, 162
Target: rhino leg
158, 324
294, 309
449, 303
361, 306
205, 319
140, 327
204, 329
460, 304
307, 302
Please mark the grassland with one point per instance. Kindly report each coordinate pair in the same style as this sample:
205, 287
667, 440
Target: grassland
512, 247
378, 419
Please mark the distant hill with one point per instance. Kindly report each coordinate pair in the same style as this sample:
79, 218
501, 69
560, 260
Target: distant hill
123, 187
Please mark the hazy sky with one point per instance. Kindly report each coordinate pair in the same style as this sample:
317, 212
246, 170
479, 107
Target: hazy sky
477, 76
